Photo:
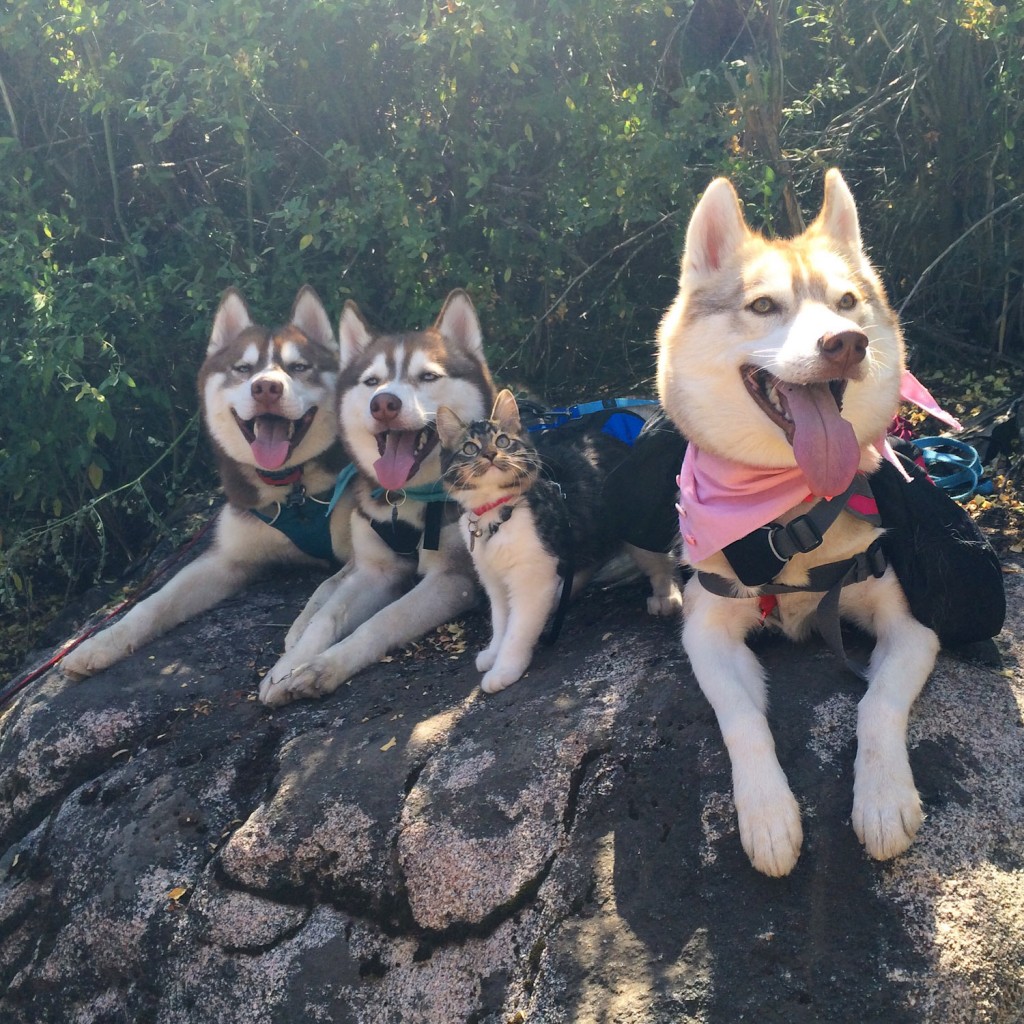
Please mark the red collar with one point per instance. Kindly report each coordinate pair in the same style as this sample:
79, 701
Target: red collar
478, 512
284, 478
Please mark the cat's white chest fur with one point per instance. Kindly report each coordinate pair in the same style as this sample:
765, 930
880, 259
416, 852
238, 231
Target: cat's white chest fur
505, 545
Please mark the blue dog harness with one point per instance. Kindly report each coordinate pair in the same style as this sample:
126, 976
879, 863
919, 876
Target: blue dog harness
303, 518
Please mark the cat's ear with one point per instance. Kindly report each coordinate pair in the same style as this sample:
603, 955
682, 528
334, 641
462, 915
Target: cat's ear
506, 413
449, 427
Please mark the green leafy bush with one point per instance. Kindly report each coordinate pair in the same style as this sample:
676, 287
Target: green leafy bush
544, 155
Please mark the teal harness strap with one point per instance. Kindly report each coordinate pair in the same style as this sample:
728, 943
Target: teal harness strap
432, 494
299, 519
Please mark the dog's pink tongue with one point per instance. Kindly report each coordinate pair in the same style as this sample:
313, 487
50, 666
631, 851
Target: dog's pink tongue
395, 466
271, 447
824, 444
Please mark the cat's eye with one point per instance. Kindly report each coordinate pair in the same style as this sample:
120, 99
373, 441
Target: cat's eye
847, 301
502, 441
470, 448
763, 305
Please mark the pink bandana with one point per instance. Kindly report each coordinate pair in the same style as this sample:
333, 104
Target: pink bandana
721, 501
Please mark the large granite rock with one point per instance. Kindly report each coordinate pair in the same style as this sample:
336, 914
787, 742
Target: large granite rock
411, 850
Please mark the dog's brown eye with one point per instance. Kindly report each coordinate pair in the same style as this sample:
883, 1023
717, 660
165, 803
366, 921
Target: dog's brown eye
848, 301
763, 305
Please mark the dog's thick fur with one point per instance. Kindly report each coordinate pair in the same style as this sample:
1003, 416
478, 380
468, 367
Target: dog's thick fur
280, 385
390, 388
746, 304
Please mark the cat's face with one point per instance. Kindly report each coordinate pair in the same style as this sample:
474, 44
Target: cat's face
489, 455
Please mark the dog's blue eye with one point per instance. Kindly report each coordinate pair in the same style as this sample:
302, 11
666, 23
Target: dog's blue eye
372, 382
242, 368
763, 305
848, 301
471, 448
502, 441
429, 376
298, 367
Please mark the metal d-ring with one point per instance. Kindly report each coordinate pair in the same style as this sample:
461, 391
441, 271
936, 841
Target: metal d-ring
396, 504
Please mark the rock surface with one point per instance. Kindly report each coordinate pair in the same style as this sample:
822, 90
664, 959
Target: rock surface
410, 850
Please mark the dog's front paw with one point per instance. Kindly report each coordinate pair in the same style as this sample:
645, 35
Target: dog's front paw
309, 680
90, 657
769, 821
665, 604
887, 809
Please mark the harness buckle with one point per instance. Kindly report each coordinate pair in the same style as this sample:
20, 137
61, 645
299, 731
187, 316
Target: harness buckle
877, 561
296, 496
799, 536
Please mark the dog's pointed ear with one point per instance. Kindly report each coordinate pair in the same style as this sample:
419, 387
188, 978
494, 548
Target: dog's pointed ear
232, 317
449, 427
717, 229
458, 322
309, 315
838, 218
506, 413
353, 333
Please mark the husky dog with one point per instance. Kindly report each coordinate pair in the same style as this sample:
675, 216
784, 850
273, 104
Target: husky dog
390, 387
781, 363
268, 404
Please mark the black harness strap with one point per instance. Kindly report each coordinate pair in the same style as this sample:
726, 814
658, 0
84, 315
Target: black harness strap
828, 579
762, 554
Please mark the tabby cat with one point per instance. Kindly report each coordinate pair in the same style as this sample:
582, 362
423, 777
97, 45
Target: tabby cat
534, 518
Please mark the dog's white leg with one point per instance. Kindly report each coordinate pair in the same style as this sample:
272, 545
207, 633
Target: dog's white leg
216, 574
529, 608
660, 570
320, 597
434, 600
886, 807
733, 681
358, 597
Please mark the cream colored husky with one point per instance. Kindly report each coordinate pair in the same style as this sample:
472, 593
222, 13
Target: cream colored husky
781, 362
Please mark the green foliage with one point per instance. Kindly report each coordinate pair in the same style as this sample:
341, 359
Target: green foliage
544, 155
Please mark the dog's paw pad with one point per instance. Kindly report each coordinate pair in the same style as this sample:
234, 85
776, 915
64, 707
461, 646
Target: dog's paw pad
671, 604
770, 831
886, 823
87, 659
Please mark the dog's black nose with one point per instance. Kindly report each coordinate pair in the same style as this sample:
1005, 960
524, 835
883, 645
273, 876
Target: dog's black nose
844, 349
385, 407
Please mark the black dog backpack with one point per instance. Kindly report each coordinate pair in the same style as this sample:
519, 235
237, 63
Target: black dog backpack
950, 574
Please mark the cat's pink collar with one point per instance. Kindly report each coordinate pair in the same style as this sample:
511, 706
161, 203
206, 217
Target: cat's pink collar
484, 509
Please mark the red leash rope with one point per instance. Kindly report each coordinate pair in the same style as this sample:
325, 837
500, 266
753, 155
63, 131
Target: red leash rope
147, 583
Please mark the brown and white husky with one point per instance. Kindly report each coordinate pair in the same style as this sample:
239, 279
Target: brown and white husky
781, 362
390, 387
268, 405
